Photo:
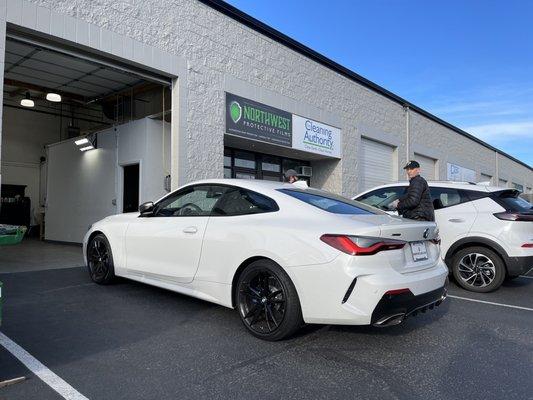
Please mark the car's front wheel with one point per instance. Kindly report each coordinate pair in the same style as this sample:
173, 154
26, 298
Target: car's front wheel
100, 260
267, 301
478, 269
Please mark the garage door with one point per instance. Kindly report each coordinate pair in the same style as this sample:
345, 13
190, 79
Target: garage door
427, 166
376, 164
485, 178
502, 183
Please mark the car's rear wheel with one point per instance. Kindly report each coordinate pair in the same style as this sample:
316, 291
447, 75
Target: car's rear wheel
267, 301
100, 260
478, 269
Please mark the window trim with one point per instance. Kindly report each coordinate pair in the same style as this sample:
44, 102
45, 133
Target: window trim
240, 215
178, 191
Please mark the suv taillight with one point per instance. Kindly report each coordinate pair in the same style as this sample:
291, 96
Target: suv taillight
361, 246
510, 216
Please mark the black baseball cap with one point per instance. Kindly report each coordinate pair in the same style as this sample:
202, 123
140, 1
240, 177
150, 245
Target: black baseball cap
412, 165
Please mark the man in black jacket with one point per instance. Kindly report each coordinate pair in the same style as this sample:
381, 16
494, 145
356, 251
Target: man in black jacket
416, 202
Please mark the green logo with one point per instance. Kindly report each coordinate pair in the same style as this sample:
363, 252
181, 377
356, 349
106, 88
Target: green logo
235, 111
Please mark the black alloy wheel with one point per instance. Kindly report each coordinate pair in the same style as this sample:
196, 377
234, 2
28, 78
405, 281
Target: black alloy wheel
100, 260
267, 301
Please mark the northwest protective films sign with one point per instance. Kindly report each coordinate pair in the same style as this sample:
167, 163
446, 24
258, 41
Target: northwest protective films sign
253, 120
315, 137
460, 174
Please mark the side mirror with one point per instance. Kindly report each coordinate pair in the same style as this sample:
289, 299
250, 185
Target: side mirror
146, 209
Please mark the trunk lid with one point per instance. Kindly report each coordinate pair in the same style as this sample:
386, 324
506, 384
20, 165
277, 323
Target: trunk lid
412, 232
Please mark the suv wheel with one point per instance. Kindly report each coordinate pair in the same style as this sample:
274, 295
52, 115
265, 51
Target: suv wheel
478, 269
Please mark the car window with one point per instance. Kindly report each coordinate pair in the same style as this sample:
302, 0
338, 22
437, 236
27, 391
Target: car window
510, 200
382, 198
196, 200
330, 202
238, 201
446, 197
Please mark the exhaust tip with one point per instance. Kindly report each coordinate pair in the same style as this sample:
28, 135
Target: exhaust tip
389, 320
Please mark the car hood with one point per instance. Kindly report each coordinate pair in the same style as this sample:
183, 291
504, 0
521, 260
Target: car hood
121, 217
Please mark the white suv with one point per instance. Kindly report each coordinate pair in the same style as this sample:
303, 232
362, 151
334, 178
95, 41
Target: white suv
486, 232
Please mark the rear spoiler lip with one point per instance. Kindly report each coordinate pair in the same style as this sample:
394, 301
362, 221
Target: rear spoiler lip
515, 192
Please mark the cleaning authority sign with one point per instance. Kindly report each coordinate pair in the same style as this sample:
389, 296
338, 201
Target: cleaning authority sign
315, 137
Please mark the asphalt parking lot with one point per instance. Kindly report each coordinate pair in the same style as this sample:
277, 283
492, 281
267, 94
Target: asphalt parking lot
131, 341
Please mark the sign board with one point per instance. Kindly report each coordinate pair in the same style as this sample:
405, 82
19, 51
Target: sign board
458, 173
315, 137
253, 120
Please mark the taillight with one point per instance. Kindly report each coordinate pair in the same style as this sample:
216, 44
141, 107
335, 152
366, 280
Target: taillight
361, 246
528, 245
510, 216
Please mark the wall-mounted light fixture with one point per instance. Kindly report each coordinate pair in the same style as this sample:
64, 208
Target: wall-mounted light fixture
86, 143
79, 142
53, 97
86, 148
27, 101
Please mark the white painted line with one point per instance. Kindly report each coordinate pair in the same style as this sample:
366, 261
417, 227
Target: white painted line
490, 302
527, 277
40, 370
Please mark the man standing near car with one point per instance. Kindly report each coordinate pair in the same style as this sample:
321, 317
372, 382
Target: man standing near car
416, 202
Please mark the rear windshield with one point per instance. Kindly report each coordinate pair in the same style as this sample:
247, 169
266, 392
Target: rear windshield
509, 200
331, 203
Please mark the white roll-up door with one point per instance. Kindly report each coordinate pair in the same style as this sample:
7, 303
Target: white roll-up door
376, 164
485, 178
427, 166
502, 183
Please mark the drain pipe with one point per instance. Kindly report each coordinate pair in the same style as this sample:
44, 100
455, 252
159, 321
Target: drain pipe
407, 133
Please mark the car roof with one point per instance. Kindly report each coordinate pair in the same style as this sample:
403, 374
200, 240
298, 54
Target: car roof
252, 184
479, 187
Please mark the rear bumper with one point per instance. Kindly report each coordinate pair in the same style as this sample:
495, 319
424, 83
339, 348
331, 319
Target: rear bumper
394, 308
518, 265
348, 293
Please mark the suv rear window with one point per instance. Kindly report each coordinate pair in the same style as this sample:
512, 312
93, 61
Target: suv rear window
509, 200
330, 202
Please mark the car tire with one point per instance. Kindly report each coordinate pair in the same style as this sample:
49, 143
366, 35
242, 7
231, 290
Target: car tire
267, 301
478, 269
100, 260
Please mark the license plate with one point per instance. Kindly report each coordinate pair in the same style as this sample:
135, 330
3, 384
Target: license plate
419, 251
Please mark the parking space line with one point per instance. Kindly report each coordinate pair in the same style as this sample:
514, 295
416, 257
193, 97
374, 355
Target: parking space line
40, 370
527, 277
490, 302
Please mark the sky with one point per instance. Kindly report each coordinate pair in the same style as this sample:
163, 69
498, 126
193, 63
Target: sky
468, 62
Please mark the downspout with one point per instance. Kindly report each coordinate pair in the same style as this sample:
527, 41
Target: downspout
407, 133
497, 178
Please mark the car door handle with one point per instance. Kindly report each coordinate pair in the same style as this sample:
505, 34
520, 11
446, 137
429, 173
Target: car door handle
456, 220
190, 229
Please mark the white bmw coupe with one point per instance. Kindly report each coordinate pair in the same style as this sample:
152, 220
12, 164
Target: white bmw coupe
280, 254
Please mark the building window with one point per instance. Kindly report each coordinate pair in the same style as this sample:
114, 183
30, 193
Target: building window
242, 164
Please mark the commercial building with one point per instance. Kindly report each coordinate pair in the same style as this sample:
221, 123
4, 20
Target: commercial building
108, 104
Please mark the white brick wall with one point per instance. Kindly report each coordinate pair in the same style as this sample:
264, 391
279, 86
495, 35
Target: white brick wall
214, 46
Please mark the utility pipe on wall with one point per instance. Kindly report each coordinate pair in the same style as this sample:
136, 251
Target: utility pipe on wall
407, 133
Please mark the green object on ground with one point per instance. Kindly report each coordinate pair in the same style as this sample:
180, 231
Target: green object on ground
13, 237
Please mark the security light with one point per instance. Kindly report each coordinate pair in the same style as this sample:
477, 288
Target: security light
79, 142
53, 97
86, 148
27, 101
